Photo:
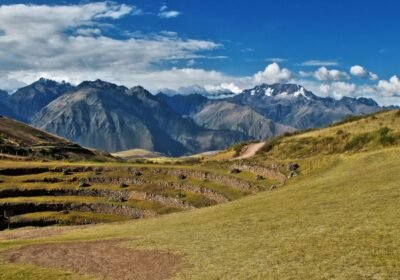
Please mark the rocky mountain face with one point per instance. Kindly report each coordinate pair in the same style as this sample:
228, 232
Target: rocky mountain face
223, 115
184, 105
114, 118
28, 101
5, 110
297, 107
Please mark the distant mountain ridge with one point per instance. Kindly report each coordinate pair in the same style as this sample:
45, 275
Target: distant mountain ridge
221, 114
295, 106
113, 118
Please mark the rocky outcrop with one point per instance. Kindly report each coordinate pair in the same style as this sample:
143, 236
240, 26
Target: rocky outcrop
220, 179
269, 173
163, 200
208, 193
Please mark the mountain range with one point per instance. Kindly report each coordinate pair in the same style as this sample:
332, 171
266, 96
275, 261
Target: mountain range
105, 116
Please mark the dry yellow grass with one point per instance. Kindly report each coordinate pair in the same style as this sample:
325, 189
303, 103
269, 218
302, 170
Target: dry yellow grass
337, 220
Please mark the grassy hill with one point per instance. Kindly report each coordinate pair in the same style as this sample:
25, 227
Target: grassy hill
337, 219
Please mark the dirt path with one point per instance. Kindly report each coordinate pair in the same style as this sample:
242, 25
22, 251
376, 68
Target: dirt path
251, 150
106, 259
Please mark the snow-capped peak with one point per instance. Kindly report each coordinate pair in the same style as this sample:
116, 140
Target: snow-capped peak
301, 92
280, 91
269, 91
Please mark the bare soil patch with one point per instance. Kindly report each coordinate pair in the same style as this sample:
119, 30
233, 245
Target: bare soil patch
250, 150
36, 232
107, 259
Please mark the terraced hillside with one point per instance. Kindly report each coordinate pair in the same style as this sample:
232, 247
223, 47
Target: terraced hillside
40, 194
335, 218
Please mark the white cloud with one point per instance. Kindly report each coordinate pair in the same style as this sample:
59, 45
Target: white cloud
390, 87
276, 59
168, 33
305, 74
165, 13
88, 32
319, 63
272, 74
230, 87
324, 74
191, 62
9, 84
115, 11
176, 78
67, 41
361, 72
338, 89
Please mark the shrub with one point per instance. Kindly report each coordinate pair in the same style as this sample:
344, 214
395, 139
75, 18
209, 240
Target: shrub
383, 131
239, 146
339, 132
381, 136
387, 140
191, 160
270, 144
358, 142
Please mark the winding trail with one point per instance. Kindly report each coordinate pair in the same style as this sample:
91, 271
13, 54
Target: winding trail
251, 150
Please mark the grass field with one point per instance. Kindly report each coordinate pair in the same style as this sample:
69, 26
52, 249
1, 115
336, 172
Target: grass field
339, 219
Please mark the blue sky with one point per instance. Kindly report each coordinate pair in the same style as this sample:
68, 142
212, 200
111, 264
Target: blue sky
334, 48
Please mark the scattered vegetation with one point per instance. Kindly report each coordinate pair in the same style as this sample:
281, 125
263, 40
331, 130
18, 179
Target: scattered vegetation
270, 144
351, 135
338, 219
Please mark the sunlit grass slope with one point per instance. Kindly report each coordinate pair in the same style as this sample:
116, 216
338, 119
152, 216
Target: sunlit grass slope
338, 220
355, 134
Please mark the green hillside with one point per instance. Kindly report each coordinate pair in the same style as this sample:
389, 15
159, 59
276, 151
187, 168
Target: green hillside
337, 218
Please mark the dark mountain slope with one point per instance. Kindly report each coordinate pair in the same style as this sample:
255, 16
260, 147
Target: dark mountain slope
185, 105
28, 101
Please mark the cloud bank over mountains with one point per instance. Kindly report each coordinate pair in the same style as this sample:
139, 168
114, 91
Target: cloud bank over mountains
73, 43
